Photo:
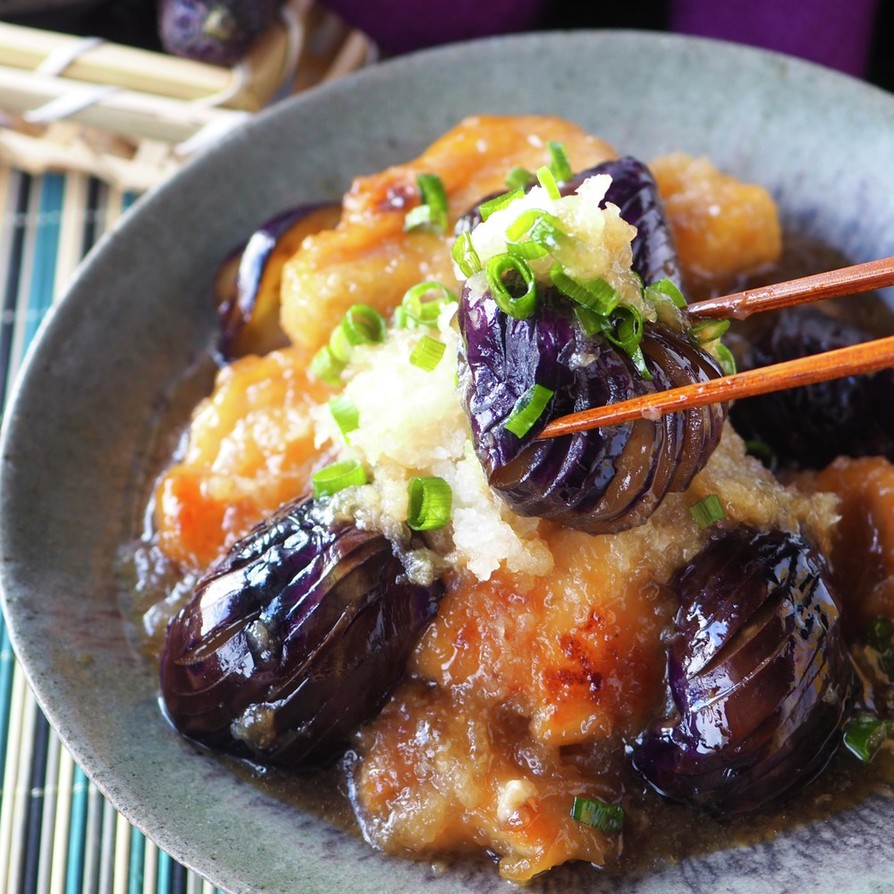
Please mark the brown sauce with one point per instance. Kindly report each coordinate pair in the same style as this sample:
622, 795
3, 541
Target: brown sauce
656, 832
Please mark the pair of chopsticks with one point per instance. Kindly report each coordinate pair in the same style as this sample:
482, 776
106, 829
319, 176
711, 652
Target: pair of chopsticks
869, 357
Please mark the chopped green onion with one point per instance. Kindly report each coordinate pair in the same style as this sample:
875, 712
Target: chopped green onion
428, 353
426, 312
345, 413
518, 306
548, 181
538, 225
725, 358
669, 288
486, 209
527, 410
707, 511
607, 818
626, 333
326, 366
430, 503
336, 477
864, 735
708, 331
360, 325
559, 164
432, 210
596, 295
464, 255
519, 177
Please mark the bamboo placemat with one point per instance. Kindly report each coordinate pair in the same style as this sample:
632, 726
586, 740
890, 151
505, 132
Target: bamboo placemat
58, 834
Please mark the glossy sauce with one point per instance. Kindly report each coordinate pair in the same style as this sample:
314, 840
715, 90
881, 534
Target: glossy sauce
522, 693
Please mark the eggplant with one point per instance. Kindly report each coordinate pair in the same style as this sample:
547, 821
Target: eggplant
608, 479
760, 680
248, 281
220, 32
806, 428
601, 481
294, 640
634, 190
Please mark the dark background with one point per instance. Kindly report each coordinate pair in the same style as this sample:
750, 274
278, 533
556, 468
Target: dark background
134, 22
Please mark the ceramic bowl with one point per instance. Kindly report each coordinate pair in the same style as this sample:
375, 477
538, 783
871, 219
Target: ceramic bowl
138, 314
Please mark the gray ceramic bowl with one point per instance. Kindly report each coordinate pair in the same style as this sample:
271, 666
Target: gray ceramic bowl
138, 314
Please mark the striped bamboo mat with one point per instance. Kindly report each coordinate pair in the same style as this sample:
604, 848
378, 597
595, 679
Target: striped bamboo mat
58, 835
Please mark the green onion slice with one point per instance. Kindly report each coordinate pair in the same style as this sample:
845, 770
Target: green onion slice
559, 163
430, 503
527, 410
626, 333
336, 477
432, 211
707, 511
864, 735
428, 353
596, 295
326, 366
486, 209
547, 180
725, 358
464, 255
360, 325
519, 177
708, 330
607, 818
345, 413
519, 306
671, 290
423, 302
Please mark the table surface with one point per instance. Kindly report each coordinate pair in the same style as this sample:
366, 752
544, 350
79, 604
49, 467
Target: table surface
58, 834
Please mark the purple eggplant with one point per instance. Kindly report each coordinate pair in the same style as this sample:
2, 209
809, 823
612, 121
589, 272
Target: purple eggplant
249, 280
808, 427
220, 32
634, 190
759, 675
600, 481
294, 640
610, 478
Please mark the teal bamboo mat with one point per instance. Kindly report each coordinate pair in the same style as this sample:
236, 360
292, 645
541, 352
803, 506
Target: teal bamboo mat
58, 835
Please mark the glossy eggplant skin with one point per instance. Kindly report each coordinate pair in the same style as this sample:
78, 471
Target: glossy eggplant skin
249, 280
808, 427
293, 641
602, 481
634, 190
759, 675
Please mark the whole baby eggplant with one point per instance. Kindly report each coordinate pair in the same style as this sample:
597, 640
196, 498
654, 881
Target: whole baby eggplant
219, 32
607, 479
248, 282
294, 640
759, 675
808, 427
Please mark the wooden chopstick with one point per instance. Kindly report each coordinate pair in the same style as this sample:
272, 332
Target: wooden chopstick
869, 357
830, 284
